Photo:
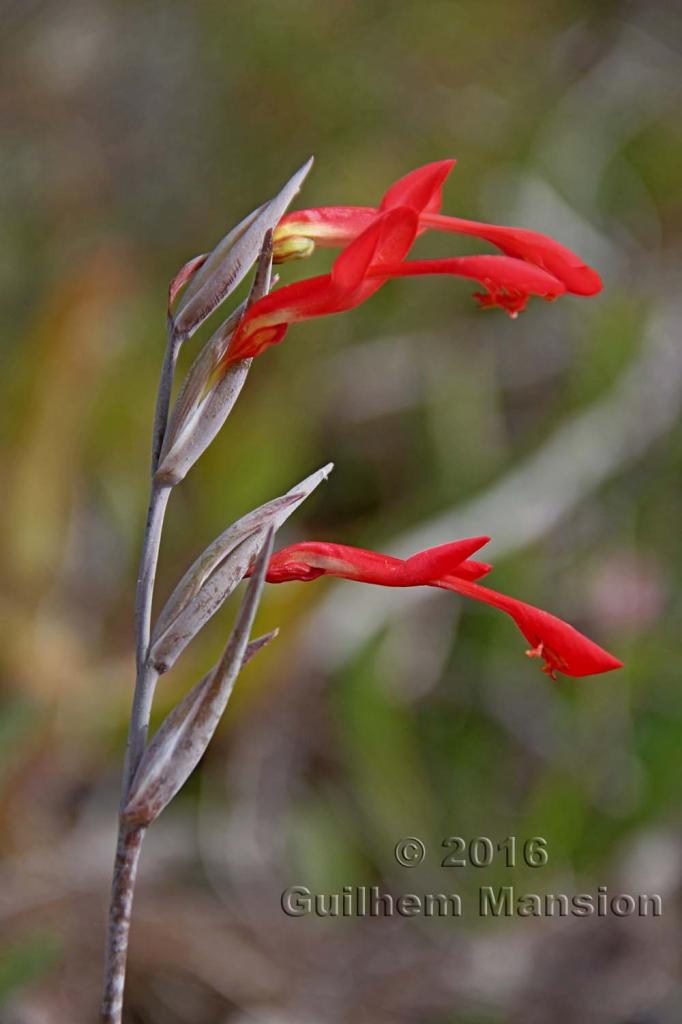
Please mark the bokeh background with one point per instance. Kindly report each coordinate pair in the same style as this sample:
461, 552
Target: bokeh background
132, 136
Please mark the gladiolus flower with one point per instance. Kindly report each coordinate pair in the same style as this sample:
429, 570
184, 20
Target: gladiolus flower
375, 243
373, 258
371, 239
298, 232
448, 567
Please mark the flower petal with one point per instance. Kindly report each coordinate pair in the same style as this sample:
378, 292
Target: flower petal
562, 647
544, 252
386, 241
509, 282
470, 570
432, 563
422, 189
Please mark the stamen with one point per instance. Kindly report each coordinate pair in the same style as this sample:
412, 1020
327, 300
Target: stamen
552, 664
511, 300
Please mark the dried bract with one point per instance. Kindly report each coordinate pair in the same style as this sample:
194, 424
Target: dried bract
185, 734
210, 390
232, 258
216, 573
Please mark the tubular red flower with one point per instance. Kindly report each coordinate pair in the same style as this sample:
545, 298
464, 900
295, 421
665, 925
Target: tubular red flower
385, 242
448, 567
376, 242
299, 232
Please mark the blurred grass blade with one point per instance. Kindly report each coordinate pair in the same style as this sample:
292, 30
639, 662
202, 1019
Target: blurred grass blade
214, 575
184, 736
232, 258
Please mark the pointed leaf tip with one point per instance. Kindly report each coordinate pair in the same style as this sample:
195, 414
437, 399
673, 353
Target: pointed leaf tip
298, 177
257, 645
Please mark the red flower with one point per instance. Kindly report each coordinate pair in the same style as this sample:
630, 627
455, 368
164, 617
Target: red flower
375, 243
562, 648
370, 260
298, 232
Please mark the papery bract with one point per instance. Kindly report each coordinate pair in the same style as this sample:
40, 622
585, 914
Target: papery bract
212, 278
183, 737
214, 575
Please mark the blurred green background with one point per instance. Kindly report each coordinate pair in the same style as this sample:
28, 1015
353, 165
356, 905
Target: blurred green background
132, 136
